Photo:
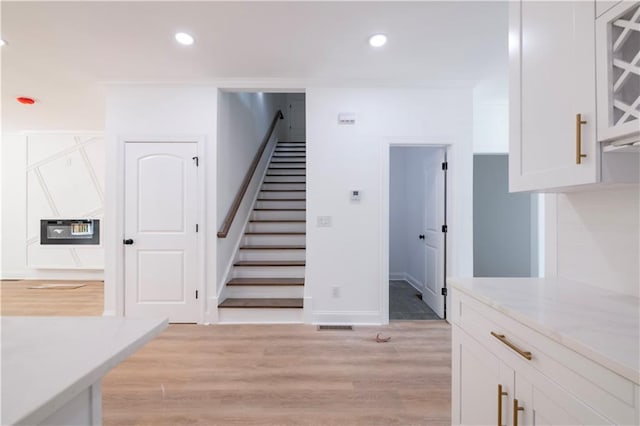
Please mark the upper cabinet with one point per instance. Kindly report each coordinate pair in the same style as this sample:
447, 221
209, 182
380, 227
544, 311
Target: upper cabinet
618, 73
553, 123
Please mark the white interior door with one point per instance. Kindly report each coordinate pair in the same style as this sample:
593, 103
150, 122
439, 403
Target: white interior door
160, 230
434, 237
297, 120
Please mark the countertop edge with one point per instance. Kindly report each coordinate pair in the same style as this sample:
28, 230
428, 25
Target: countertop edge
40, 413
573, 344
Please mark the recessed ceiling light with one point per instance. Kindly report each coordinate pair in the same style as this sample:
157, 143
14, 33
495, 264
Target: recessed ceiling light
378, 40
184, 38
2, 42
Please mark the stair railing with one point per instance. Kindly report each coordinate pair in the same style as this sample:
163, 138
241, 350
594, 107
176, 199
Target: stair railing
233, 210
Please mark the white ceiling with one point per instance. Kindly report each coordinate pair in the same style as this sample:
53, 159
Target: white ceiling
62, 52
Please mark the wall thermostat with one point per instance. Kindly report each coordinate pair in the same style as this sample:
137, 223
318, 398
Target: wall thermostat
356, 194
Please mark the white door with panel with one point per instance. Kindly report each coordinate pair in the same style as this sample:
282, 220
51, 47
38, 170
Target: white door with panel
296, 118
161, 246
552, 97
434, 237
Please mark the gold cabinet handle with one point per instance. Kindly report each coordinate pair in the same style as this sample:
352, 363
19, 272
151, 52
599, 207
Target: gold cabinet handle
516, 408
579, 123
503, 339
501, 393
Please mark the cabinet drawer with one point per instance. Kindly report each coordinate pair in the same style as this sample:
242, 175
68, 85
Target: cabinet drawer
598, 387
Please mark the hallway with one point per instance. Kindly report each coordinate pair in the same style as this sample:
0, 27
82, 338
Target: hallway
404, 303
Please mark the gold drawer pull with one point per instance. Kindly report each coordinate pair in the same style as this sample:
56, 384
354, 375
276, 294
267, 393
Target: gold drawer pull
516, 408
504, 340
501, 393
579, 123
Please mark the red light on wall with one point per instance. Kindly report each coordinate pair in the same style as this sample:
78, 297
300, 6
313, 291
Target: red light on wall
26, 101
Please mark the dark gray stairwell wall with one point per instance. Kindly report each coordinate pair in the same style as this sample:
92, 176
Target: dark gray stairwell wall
504, 224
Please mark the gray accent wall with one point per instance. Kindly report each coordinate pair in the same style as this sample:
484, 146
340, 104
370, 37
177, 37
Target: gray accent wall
504, 224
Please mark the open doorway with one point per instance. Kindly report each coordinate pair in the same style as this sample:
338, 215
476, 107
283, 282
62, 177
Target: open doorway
417, 232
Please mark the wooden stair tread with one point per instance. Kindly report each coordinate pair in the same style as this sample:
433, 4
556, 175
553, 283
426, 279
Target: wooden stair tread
270, 263
274, 233
280, 210
273, 248
266, 281
279, 220
262, 303
282, 199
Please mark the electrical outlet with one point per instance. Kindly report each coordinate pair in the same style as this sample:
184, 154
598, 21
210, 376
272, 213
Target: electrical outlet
335, 291
324, 221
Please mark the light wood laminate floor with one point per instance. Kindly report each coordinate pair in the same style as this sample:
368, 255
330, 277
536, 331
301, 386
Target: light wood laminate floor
276, 374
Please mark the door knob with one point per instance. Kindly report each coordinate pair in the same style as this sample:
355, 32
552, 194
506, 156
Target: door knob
128, 241
421, 236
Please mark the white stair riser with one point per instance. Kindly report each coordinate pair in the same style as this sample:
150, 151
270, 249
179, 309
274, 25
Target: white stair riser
288, 165
265, 292
285, 186
281, 215
259, 316
271, 240
248, 254
277, 204
268, 272
277, 227
279, 172
281, 194
284, 179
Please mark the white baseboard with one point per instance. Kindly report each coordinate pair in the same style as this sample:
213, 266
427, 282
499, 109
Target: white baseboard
211, 315
415, 283
109, 313
347, 318
307, 312
12, 275
404, 276
54, 274
396, 276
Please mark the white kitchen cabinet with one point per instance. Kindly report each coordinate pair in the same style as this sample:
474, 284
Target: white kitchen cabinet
552, 141
543, 381
618, 72
485, 384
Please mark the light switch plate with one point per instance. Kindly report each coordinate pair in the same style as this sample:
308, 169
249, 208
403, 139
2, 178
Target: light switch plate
324, 221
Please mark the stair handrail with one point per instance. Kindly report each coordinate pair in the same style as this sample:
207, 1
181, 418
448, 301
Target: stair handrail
233, 210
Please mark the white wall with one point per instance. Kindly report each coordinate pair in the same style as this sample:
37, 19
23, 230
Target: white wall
340, 158
157, 111
243, 120
50, 175
398, 233
491, 117
407, 212
598, 238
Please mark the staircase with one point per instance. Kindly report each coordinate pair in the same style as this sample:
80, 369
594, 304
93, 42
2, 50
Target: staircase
267, 279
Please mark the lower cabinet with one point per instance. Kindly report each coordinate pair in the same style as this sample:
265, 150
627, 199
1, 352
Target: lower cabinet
501, 377
485, 385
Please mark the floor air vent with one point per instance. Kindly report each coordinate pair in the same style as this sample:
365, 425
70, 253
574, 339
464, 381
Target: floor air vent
334, 327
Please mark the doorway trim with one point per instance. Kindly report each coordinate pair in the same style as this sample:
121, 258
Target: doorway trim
450, 152
118, 223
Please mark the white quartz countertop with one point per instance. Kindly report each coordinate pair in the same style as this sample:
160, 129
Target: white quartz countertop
47, 361
601, 325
